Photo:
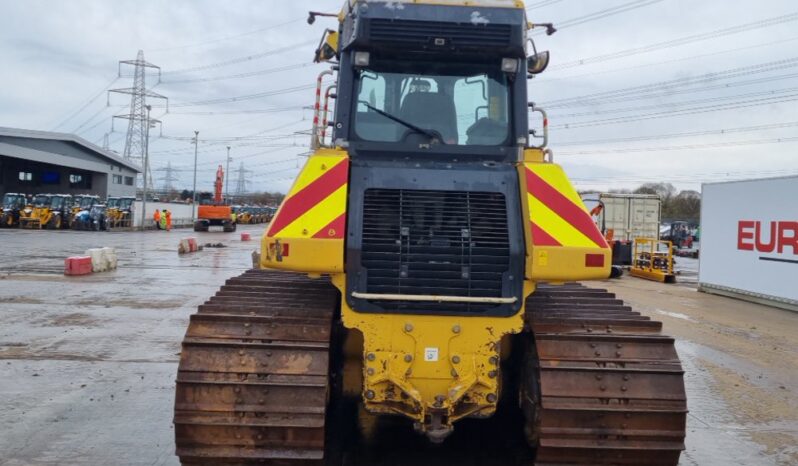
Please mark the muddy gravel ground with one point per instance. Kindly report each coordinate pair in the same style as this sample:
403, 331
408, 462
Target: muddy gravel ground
87, 365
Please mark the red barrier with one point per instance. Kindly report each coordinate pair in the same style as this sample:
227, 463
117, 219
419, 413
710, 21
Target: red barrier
188, 245
77, 265
245, 237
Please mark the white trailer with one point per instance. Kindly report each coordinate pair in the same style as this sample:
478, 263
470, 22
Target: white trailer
749, 240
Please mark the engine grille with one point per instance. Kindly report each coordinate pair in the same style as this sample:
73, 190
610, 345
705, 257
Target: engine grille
424, 33
435, 243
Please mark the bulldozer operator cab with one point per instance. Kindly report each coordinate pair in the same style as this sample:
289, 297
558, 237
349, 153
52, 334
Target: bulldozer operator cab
434, 118
440, 98
459, 104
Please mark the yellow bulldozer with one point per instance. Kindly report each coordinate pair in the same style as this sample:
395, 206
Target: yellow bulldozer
424, 268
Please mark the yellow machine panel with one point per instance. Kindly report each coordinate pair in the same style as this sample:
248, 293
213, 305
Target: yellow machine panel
563, 242
426, 366
307, 232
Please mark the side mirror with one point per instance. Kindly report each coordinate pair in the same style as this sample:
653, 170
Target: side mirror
537, 63
328, 47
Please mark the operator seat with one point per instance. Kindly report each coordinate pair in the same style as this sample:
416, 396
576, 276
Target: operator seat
431, 110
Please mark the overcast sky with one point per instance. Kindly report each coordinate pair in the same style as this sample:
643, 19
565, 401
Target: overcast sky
648, 90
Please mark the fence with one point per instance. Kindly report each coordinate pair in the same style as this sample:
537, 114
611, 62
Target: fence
181, 214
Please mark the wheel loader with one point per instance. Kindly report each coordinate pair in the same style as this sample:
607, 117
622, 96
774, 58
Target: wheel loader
119, 212
81, 205
13, 205
424, 268
59, 213
112, 210
36, 214
54, 215
243, 214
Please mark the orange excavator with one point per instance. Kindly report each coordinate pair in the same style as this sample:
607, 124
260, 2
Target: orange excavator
215, 214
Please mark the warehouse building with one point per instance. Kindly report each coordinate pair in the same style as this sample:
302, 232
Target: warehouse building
34, 162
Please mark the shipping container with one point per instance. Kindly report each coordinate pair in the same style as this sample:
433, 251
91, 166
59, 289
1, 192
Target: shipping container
631, 216
749, 240
627, 217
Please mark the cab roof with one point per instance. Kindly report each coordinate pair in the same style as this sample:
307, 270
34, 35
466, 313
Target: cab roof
478, 3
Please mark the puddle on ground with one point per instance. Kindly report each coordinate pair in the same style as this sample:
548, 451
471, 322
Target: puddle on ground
676, 315
714, 436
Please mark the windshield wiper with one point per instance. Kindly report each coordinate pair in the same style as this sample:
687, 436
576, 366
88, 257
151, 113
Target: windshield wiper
406, 124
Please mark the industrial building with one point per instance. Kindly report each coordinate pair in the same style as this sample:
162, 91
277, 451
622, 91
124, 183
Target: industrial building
44, 162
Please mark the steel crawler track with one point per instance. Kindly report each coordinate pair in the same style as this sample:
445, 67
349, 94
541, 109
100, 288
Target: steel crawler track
253, 380
611, 385
252, 385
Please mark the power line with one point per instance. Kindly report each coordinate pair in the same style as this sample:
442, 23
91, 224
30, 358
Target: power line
686, 178
89, 120
178, 152
225, 142
272, 150
542, 4
679, 113
242, 98
80, 133
244, 112
545, 79
283, 178
602, 14
671, 93
601, 97
225, 139
673, 105
680, 41
686, 147
237, 60
742, 129
262, 164
271, 173
241, 75
226, 38
85, 105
